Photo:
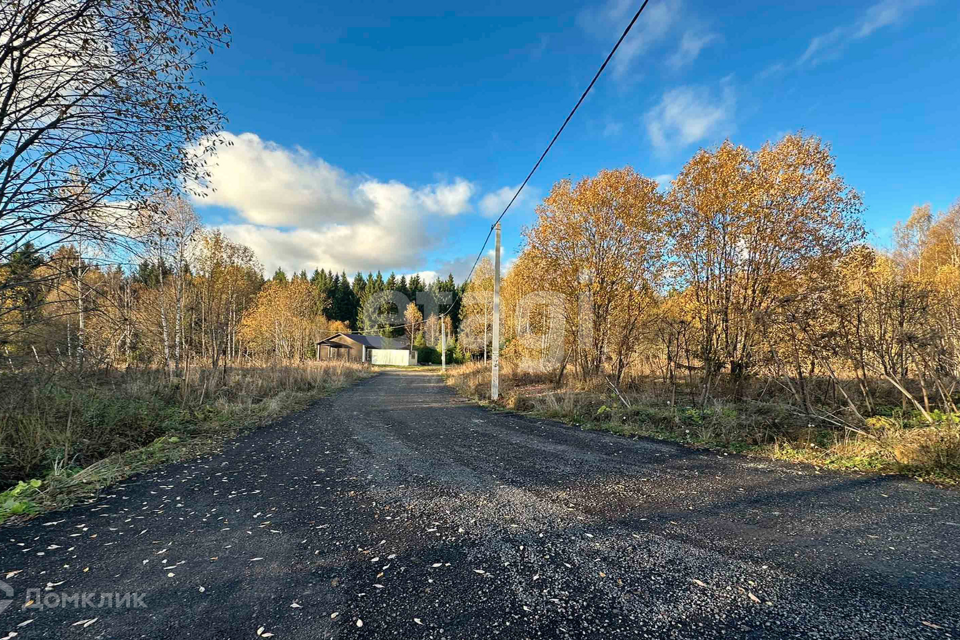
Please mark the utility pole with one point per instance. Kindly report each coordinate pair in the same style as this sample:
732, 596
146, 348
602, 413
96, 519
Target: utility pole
443, 344
495, 371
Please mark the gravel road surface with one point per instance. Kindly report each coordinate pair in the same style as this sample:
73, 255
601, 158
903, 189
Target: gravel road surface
395, 509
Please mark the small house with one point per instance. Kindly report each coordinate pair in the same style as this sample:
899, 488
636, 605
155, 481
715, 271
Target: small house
356, 347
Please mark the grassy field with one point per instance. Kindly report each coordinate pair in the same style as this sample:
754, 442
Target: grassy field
64, 436
892, 442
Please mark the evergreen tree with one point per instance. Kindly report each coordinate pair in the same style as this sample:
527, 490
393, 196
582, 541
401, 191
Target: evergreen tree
359, 286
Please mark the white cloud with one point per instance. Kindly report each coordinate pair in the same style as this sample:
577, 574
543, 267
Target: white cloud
611, 19
823, 47
830, 45
884, 14
690, 114
692, 43
425, 276
447, 199
298, 211
663, 180
772, 70
493, 203
612, 129
272, 185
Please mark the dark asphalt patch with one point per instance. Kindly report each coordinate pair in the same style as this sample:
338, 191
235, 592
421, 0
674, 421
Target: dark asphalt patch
397, 506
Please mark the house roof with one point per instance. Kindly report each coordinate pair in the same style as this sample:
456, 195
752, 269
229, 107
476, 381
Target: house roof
371, 342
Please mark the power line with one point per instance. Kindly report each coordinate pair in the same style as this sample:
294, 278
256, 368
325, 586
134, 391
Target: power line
549, 146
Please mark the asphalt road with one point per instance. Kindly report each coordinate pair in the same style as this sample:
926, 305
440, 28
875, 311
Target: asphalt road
397, 510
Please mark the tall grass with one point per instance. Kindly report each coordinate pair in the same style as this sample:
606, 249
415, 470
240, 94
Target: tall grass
898, 442
67, 429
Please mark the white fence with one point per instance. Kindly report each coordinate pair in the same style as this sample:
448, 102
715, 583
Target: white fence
394, 357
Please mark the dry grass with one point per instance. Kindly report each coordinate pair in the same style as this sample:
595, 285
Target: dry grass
897, 443
78, 434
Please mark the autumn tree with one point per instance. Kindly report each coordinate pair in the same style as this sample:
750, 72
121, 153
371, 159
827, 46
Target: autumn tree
413, 321
747, 226
601, 245
283, 321
99, 109
476, 310
227, 281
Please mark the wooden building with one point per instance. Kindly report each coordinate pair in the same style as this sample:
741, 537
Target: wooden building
355, 347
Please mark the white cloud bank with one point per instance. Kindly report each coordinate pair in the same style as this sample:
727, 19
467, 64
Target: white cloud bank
299, 212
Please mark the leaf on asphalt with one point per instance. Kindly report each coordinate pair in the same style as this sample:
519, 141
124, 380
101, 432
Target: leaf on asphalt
12, 634
25, 623
378, 586
202, 589
260, 631
417, 620
436, 564
391, 556
10, 574
931, 625
753, 597
699, 583
84, 623
296, 605
255, 559
359, 622
334, 614
480, 571
171, 574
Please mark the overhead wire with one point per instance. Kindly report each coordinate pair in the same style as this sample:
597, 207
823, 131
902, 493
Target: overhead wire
547, 150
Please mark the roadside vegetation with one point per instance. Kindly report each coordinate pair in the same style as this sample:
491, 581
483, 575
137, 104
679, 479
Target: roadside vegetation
737, 307
893, 441
63, 436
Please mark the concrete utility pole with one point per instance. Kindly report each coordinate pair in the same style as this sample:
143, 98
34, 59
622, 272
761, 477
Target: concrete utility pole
495, 371
443, 343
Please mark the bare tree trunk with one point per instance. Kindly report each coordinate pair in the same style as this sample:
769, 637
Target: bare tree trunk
163, 319
80, 322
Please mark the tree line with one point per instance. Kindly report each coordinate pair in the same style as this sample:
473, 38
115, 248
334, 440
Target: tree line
174, 290
748, 276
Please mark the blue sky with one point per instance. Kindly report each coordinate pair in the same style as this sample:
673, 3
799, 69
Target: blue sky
377, 135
